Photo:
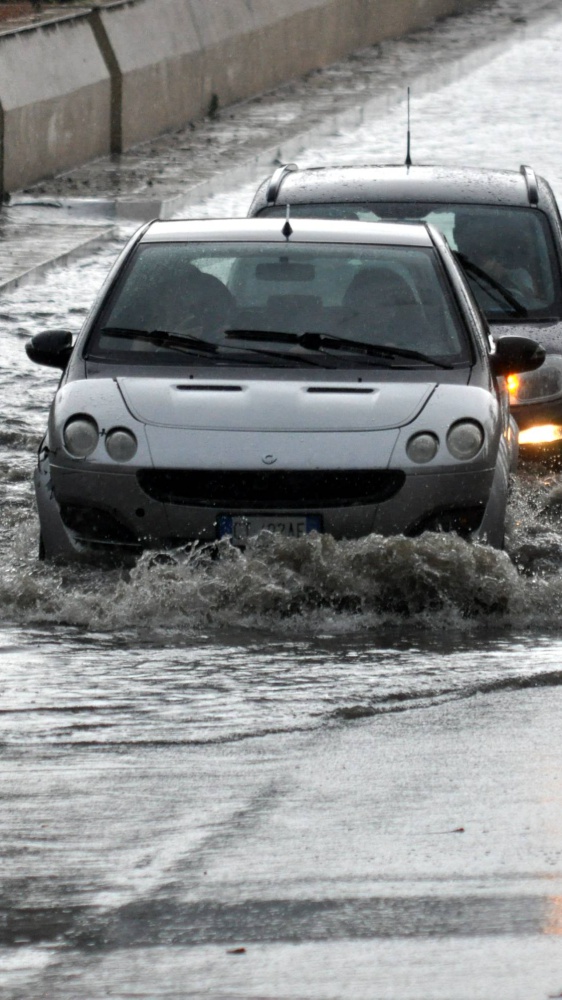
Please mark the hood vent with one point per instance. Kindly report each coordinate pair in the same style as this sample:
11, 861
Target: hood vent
346, 390
212, 387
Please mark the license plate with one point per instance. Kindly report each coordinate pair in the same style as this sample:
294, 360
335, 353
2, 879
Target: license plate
240, 527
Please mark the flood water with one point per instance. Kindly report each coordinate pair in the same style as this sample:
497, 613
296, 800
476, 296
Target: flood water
312, 769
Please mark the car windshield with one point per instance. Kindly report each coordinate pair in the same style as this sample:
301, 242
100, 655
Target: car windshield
220, 303
513, 246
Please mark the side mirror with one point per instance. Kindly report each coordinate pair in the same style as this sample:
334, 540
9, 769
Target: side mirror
516, 354
52, 348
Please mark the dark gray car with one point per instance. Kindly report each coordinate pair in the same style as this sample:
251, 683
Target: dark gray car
505, 228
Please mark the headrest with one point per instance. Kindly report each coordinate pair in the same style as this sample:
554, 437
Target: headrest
378, 286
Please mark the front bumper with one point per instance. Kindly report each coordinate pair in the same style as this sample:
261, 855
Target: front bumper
86, 513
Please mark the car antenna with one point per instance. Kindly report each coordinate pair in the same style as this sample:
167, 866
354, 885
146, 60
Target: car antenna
408, 143
287, 228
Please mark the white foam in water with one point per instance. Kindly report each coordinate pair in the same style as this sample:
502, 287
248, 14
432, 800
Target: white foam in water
436, 580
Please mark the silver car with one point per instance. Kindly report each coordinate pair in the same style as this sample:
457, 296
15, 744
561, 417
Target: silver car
289, 376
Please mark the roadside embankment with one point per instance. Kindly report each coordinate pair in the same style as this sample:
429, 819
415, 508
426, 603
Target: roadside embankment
79, 84
69, 214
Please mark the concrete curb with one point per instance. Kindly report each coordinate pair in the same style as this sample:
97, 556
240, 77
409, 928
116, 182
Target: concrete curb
32, 262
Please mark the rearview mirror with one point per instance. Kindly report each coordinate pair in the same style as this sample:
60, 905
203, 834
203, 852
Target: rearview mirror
516, 354
52, 348
285, 270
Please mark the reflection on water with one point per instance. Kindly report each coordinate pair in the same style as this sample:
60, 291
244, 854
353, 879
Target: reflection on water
285, 636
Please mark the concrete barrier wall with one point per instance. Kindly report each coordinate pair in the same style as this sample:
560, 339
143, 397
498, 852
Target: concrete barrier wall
54, 98
77, 86
172, 59
153, 51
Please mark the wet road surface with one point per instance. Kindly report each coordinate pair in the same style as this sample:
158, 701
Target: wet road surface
382, 848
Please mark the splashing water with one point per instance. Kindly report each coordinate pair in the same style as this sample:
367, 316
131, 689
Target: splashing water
439, 581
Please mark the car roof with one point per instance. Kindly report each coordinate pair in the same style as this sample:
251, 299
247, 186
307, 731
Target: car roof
439, 183
302, 230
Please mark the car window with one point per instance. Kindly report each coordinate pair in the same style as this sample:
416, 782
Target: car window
377, 295
512, 246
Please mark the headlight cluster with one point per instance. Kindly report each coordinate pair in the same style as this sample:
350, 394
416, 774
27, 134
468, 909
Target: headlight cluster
81, 435
120, 444
421, 448
464, 441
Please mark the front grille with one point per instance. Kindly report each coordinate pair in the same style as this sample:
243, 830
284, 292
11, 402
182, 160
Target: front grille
270, 489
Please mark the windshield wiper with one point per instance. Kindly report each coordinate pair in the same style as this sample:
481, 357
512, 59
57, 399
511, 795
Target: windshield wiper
320, 341
291, 359
163, 338
478, 272
374, 350
189, 344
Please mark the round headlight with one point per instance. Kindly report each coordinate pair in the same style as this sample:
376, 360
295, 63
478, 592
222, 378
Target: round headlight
80, 436
422, 448
465, 440
121, 444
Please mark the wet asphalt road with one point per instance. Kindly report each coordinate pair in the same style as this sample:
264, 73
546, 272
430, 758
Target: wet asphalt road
411, 853
314, 770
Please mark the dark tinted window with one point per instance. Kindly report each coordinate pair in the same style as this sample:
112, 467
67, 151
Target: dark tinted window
512, 246
381, 295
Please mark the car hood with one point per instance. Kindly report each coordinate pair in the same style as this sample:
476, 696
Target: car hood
240, 405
